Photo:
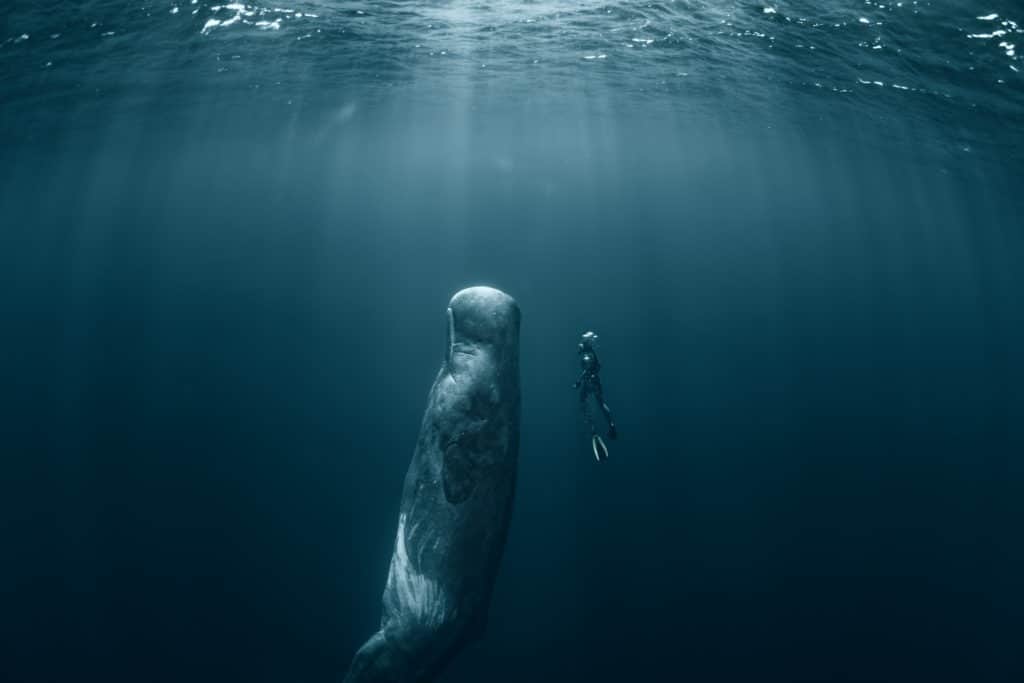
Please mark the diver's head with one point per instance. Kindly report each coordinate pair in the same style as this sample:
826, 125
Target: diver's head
588, 339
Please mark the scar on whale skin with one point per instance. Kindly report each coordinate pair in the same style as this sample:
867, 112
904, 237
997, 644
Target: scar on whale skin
456, 500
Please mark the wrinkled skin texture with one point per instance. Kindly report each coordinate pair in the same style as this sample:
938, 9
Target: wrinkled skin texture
457, 498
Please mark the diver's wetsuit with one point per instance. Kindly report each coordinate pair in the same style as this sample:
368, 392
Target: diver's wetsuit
590, 383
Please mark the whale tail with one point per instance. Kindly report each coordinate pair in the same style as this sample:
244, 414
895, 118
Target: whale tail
600, 449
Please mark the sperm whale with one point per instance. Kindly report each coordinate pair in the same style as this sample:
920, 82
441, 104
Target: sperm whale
457, 498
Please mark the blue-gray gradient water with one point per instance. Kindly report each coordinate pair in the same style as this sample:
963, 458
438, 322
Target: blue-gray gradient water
228, 233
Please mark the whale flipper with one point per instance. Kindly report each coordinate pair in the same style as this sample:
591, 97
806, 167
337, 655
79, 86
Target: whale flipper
457, 498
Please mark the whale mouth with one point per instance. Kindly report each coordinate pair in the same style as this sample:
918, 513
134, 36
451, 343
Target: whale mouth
451, 338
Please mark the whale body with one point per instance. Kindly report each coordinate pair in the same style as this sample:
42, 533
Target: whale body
457, 498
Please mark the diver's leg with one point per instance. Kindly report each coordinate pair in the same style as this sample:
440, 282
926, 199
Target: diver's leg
587, 417
596, 444
613, 433
599, 395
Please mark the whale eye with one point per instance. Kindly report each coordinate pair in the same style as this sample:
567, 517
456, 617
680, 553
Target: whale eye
460, 475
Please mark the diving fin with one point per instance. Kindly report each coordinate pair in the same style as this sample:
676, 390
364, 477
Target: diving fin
600, 450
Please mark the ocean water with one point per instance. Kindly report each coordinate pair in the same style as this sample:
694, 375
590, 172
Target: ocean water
228, 233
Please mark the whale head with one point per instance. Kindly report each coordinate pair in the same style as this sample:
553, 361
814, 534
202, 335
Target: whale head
481, 319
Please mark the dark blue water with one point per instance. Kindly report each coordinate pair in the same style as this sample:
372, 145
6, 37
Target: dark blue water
228, 235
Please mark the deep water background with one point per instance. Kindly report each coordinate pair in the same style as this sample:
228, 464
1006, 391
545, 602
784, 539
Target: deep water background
225, 254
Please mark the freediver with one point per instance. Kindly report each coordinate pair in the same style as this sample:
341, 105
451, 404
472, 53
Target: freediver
590, 383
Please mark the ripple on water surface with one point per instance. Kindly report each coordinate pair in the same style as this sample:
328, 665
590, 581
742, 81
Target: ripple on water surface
935, 61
